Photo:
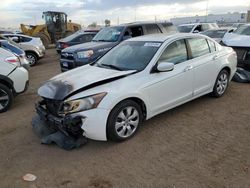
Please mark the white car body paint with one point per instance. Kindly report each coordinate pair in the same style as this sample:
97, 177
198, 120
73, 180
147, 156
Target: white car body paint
159, 91
236, 40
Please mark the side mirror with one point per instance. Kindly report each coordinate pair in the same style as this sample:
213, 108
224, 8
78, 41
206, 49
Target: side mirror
196, 31
15, 39
165, 67
126, 37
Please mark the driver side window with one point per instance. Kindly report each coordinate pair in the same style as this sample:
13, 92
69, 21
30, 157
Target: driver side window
175, 53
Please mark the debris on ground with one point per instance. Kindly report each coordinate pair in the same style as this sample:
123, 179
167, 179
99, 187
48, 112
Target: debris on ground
49, 135
29, 177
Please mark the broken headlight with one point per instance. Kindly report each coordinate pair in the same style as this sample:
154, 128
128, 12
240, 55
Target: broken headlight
83, 104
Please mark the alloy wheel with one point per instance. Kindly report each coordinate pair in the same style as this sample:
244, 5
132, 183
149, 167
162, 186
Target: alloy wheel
31, 59
4, 99
222, 83
127, 122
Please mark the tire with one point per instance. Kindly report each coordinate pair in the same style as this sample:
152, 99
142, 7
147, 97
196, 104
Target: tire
45, 40
221, 84
32, 58
6, 98
119, 126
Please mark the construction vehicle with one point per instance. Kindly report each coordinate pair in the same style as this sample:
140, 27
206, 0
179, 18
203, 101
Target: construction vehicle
56, 27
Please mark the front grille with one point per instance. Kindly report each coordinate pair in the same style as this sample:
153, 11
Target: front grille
69, 56
53, 106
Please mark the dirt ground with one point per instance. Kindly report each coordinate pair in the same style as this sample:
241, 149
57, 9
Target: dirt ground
205, 143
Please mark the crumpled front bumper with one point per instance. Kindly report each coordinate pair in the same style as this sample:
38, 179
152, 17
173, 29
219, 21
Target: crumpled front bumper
90, 123
70, 126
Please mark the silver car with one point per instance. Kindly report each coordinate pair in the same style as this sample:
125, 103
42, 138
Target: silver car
32, 46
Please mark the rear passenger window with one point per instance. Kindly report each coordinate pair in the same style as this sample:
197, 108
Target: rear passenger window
212, 46
175, 53
152, 29
199, 47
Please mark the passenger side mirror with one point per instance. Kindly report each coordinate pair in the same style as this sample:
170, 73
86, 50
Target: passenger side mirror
165, 67
15, 39
196, 31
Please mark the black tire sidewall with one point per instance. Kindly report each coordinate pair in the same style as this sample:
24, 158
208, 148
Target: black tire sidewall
11, 97
215, 92
110, 129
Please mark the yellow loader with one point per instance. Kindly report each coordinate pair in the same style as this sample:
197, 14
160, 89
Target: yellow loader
56, 27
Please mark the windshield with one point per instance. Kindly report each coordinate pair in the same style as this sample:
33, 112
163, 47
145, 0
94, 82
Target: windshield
215, 33
185, 28
109, 34
243, 30
130, 55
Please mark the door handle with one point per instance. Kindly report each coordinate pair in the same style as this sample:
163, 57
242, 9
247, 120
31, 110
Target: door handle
215, 57
188, 68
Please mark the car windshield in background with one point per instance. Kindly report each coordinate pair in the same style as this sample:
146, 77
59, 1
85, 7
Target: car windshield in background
215, 33
109, 34
185, 29
130, 55
243, 30
71, 37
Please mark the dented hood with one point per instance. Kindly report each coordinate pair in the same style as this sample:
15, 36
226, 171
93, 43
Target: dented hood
80, 79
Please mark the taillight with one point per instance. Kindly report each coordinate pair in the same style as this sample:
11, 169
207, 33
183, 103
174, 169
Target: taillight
13, 60
64, 45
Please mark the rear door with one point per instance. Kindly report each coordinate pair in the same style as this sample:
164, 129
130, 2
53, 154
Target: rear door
204, 64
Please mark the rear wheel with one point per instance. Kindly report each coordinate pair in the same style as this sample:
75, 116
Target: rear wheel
221, 84
6, 98
124, 121
32, 58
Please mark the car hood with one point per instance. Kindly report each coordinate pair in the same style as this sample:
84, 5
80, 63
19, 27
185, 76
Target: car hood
72, 82
235, 40
90, 46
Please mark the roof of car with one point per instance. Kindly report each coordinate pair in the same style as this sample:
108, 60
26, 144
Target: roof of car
195, 24
164, 37
144, 22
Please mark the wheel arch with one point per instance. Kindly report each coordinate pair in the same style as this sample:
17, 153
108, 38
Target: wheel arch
6, 81
32, 52
139, 101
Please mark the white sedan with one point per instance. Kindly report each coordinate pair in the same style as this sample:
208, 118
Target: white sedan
135, 81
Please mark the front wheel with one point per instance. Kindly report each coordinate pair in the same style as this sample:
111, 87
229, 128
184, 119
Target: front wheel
32, 58
6, 98
124, 121
221, 84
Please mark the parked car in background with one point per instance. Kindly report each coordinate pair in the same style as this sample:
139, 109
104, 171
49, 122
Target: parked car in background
135, 81
74, 39
217, 34
33, 47
106, 39
196, 27
239, 40
14, 79
16, 51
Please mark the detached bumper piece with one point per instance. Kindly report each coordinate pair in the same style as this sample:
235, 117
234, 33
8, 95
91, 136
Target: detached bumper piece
65, 132
242, 76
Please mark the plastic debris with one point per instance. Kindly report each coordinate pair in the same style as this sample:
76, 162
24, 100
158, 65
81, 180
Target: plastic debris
29, 177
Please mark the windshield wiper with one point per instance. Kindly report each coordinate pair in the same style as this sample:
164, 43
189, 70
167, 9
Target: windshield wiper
112, 66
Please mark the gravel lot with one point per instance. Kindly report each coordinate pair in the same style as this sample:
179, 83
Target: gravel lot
205, 143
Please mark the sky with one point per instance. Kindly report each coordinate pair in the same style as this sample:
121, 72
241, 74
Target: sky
85, 12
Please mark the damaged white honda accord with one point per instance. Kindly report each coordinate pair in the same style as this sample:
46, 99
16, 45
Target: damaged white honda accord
136, 80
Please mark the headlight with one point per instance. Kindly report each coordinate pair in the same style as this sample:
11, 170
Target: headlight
83, 104
85, 54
